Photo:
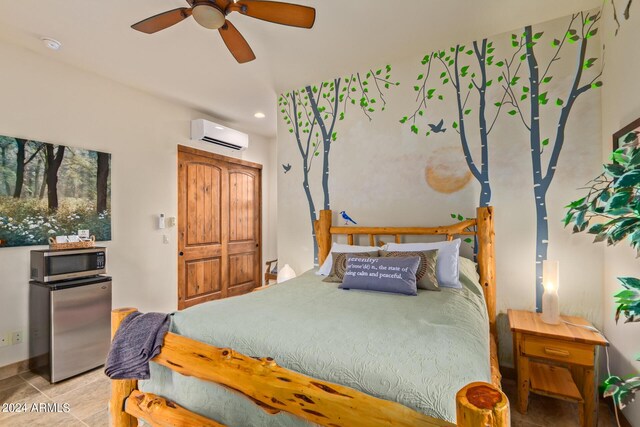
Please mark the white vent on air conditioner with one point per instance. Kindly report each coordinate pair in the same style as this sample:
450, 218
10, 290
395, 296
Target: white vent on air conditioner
204, 130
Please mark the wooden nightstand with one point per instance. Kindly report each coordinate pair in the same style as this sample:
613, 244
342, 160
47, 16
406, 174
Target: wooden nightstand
556, 361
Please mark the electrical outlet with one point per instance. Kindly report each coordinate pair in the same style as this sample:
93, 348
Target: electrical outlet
4, 339
16, 337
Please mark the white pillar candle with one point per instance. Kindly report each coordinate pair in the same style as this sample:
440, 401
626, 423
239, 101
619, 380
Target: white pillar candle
551, 281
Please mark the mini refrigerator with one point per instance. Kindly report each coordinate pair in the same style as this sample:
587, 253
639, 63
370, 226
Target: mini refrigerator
69, 325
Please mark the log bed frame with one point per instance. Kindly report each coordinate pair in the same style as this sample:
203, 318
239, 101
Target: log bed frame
276, 389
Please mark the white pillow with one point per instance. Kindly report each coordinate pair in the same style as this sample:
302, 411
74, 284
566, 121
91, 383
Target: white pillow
325, 269
447, 270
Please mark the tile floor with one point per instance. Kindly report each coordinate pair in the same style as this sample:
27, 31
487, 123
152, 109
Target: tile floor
88, 394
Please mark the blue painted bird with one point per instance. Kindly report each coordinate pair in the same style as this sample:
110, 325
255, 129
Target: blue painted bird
438, 128
286, 167
347, 218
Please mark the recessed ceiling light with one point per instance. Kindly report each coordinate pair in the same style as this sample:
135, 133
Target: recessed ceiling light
52, 44
259, 115
219, 128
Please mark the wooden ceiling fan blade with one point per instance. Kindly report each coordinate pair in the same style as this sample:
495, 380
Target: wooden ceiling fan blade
162, 20
293, 15
236, 43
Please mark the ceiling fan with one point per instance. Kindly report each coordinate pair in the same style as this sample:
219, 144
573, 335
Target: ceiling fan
212, 14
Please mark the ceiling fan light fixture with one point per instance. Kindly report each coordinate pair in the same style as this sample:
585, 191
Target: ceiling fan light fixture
208, 16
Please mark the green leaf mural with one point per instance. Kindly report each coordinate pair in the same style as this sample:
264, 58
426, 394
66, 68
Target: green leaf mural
465, 78
313, 113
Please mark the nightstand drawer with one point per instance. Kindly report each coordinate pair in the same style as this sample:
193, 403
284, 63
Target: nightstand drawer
562, 351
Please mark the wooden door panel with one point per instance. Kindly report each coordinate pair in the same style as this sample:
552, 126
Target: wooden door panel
241, 269
244, 230
241, 206
241, 247
242, 277
203, 277
203, 204
219, 229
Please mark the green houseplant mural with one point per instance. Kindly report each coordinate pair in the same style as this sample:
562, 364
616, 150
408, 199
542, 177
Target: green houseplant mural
611, 211
312, 113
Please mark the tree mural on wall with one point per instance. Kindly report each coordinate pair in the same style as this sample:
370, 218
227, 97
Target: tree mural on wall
626, 13
581, 28
451, 68
312, 114
466, 78
471, 73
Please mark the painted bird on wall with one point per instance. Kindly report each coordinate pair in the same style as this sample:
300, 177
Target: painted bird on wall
286, 167
347, 218
438, 128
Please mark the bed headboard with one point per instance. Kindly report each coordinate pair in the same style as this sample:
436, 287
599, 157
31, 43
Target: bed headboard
481, 227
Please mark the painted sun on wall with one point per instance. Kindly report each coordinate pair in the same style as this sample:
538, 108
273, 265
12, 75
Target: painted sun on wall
48, 190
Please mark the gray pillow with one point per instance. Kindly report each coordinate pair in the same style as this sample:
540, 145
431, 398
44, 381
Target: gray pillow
339, 265
426, 276
395, 275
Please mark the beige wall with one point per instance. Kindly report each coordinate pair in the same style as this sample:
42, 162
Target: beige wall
52, 102
621, 106
378, 176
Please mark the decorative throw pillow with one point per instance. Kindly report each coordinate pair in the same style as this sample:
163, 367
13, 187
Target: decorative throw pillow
395, 275
426, 274
339, 265
447, 270
325, 269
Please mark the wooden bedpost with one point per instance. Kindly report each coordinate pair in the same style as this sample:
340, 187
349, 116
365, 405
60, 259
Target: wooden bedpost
322, 228
487, 261
481, 404
121, 389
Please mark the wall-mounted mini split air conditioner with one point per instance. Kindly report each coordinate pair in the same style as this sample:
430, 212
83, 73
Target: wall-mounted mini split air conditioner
204, 130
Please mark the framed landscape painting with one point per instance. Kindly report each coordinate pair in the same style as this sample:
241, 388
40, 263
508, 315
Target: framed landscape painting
629, 134
49, 190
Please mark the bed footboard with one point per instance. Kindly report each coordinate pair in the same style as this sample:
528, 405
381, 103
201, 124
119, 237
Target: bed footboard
277, 389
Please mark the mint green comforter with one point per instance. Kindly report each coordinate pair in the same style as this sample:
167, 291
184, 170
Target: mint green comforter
416, 350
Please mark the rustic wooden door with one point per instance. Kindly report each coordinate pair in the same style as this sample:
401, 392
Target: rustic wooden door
219, 226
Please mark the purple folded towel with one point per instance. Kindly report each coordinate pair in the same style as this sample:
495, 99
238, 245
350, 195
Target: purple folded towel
137, 341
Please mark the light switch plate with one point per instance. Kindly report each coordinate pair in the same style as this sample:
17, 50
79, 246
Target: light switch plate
4, 339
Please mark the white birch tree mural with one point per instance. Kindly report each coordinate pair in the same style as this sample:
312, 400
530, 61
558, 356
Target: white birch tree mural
532, 91
451, 68
466, 71
312, 114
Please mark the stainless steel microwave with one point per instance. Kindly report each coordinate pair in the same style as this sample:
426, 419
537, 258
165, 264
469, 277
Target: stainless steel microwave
50, 266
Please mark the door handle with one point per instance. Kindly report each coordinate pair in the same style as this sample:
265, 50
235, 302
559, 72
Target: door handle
181, 253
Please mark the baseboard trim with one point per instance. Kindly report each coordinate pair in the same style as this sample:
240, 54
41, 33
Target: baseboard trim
14, 369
